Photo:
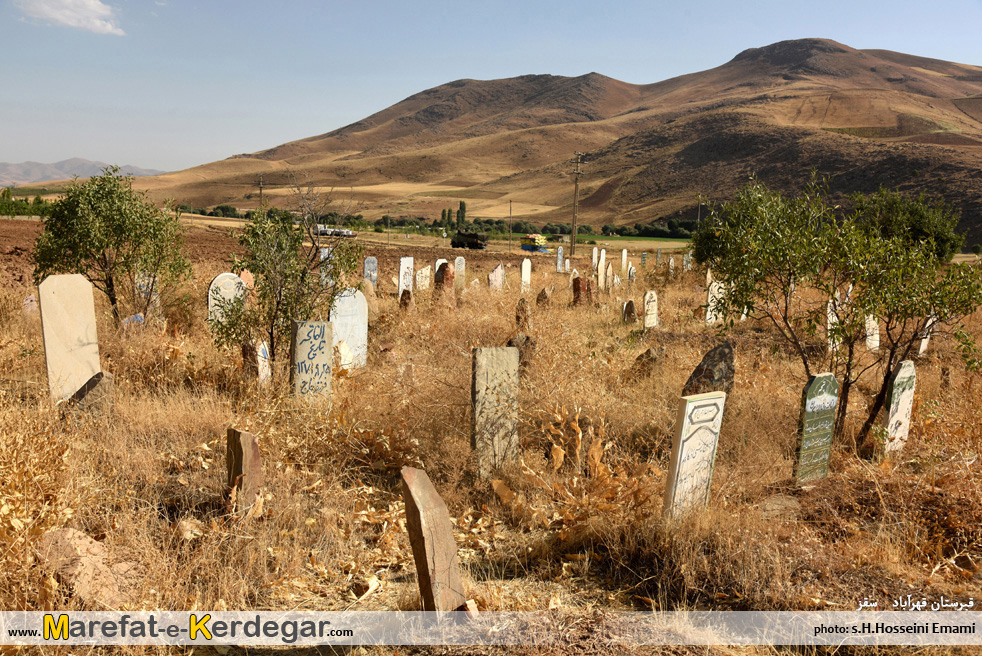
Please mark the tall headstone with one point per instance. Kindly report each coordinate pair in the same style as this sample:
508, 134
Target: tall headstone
444, 277
371, 270
460, 272
650, 309
690, 468
601, 268
526, 275
623, 263
405, 275
819, 400
327, 277
657, 257
595, 258
609, 278
349, 323
434, 549
494, 398
311, 357
423, 278
245, 469
496, 279
225, 288
900, 405
671, 266
582, 291
644, 259
559, 260
71, 344
714, 300
872, 332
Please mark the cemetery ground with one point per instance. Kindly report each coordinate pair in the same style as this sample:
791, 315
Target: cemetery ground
576, 527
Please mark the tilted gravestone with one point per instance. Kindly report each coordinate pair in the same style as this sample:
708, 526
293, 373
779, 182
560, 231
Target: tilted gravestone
526, 275
311, 357
714, 301
460, 272
371, 270
900, 405
71, 344
872, 332
559, 260
405, 275
434, 549
819, 400
494, 400
496, 279
544, 297
245, 468
926, 335
423, 278
650, 309
690, 468
225, 288
349, 323
715, 373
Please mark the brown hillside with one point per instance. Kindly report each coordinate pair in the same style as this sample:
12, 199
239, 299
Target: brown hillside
865, 117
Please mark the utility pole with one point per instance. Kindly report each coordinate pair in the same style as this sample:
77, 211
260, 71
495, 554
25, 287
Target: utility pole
509, 226
576, 203
260, 191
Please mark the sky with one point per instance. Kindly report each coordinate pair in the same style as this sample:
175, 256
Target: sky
170, 84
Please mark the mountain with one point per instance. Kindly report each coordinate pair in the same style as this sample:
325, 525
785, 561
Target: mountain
29, 172
865, 118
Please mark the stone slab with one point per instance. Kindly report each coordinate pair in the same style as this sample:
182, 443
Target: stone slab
899, 407
349, 322
819, 400
244, 467
311, 357
68, 329
494, 400
690, 469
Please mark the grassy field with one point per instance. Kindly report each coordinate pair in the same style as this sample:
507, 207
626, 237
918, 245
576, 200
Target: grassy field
579, 540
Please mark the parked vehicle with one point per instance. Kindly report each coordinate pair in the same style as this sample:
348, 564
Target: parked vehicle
470, 240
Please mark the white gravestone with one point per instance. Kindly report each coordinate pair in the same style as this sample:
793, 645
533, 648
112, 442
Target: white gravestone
926, 335
494, 399
225, 288
624, 263
559, 260
311, 357
423, 278
690, 469
460, 276
872, 332
650, 309
671, 265
349, 320
405, 275
371, 270
264, 369
609, 277
526, 275
714, 302
496, 279
602, 265
900, 405
595, 258
436, 266
71, 344
566, 265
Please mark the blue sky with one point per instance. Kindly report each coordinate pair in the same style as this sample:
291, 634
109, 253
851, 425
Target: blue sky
170, 84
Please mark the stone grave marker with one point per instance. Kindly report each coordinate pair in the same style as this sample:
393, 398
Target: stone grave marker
460, 273
671, 266
257, 361
819, 400
444, 277
148, 291
644, 259
311, 357
68, 329
327, 279
632, 274
349, 323
657, 257
245, 468
714, 373
899, 406
690, 468
526, 275
542, 300
601, 267
623, 262
566, 266
650, 309
371, 270
436, 265
496, 279
582, 291
608, 278
434, 549
494, 399
423, 278
595, 258
523, 315
617, 281
926, 335
406, 301
629, 314
225, 288
872, 332
714, 300
559, 260
405, 275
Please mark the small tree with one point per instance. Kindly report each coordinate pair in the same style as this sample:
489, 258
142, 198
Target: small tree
283, 252
109, 233
461, 215
914, 220
810, 274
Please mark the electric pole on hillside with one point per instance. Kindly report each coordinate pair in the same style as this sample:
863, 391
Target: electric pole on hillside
576, 203
260, 191
509, 226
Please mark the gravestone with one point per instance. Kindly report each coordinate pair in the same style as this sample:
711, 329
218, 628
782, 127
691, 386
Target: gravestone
256, 359
872, 332
595, 258
225, 288
436, 265
623, 262
245, 468
311, 357
671, 266
629, 314
96, 395
434, 549
147, 289
566, 266
327, 279
714, 373
617, 281
349, 323
496, 279
601, 268
368, 289
687, 262
650, 309
523, 315
582, 291
405, 275
371, 270
900, 405
709, 277
71, 344
926, 335
406, 301
494, 403
714, 300
609, 278
819, 400
631, 274
542, 300
690, 468
526, 275
559, 260
30, 304
644, 259
460, 272
423, 278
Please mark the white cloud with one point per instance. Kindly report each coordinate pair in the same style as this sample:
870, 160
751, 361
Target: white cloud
91, 15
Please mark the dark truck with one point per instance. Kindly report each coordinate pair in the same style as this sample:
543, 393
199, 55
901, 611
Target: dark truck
470, 240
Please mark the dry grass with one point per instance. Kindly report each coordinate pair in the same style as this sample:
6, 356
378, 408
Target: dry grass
578, 530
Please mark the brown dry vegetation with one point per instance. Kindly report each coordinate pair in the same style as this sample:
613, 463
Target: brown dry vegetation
585, 535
